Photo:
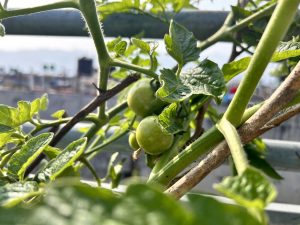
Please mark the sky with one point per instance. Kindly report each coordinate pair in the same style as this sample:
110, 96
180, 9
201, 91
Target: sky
30, 53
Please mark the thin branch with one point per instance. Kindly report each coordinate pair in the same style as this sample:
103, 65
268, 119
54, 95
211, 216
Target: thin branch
91, 169
19, 12
252, 128
225, 31
100, 99
135, 68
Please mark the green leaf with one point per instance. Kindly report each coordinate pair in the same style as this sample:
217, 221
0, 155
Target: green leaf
27, 154
44, 101
205, 79
51, 152
257, 159
285, 50
58, 114
232, 69
67, 202
114, 170
144, 46
65, 159
111, 44
251, 189
170, 119
120, 48
210, 211
5, 129
9, 116
109, 8
39, 104
181, 44
4, 138
2, 30
144, 205
11, 194
24, 108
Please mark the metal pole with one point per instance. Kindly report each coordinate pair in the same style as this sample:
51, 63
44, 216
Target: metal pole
70, 23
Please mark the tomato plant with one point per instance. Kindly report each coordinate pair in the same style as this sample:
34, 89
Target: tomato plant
166, 108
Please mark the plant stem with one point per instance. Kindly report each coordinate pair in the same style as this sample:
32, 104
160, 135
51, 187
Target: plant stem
135, 68
110, 114
89, 12
226, 31
276, 29
235, 145
91, 169
18, 12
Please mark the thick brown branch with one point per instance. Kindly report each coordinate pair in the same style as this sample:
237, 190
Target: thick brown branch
253, 128
100, 99
278, 100
219, 155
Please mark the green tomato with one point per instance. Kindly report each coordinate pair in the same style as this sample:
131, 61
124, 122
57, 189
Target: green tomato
152, 137
133, 142
141, 99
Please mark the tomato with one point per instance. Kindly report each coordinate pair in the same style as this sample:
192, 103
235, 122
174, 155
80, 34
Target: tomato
152, 137
141, 99
133, 142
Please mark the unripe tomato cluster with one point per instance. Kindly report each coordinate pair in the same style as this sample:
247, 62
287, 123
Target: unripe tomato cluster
150, 135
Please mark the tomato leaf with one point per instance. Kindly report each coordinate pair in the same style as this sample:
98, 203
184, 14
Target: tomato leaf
210, 211
9, 116
27, 154
24, 108
114, 170
5, 129
141, 199
65, 159
251, 189
58, 114
170, 119
181, 44
120, 48
205, 79
109, 8
285, 50
11, 194
256, 151
144, 46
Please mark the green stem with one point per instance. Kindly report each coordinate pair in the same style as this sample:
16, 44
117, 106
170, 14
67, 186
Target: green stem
46, 125
101, 146
18, 12
225, 31
201, 146
89, 12
110, 114
276, 29
91, 169
135, 68
235, 145
104, 74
